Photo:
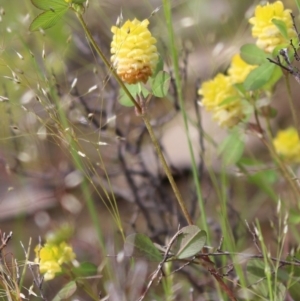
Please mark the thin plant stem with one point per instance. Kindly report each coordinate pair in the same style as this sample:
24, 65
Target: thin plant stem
174, 54
144, 117
167, 170
79, 166
291, 103
285, 172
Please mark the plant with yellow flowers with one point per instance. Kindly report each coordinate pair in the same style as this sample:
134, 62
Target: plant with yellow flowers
51, 258
239, 100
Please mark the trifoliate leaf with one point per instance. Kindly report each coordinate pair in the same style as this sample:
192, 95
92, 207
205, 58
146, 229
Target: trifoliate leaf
259, 77
275, 76
253, 55
85, 269
134, 90
140, 245
232, 148
228, 100
190, 241
160, 84
66, 292
281, 26
255, 270
51, 5
47, 19
78, 1
159, 66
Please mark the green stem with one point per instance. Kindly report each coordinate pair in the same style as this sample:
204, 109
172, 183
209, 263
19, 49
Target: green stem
167, 170
291, 103
168, 17
284, 170
79, 166
144, 117
106, 62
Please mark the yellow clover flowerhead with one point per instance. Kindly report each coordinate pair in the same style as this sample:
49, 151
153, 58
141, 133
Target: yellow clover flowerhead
239, 69
134, 54
51, 257
287, 145
220, 97
267, 34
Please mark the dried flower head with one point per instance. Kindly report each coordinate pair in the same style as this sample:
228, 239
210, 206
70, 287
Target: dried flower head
51, 257
267, 34
239, 69
134, 54
220, 97
287, 145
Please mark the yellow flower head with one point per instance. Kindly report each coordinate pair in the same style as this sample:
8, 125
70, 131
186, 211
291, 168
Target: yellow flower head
134, 54
267, 34
239, 69
287, 145
220, 97
51, 257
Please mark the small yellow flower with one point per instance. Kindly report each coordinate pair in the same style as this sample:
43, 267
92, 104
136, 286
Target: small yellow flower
239, 69
51, 257
287, 145
134, 54
267, 34
220, 97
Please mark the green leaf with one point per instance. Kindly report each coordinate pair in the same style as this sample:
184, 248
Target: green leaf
190, 241
159, 66
263, 179
293, 270
276, 75
47, 19
134, 90
78, 1
52, 5
250, 162
140, 245
228, 100
160, 84
262, 290
232, 148
66, 292
294, 216
294, 290
258, 77
281, 26
255, 270
85, 269
290, 50
253, 55
298, 4
240, 88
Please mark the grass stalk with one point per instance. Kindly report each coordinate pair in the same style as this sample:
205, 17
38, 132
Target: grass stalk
79, 166
174, 54
167, 170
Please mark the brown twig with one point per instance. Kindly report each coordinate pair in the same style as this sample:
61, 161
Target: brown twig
5, 239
